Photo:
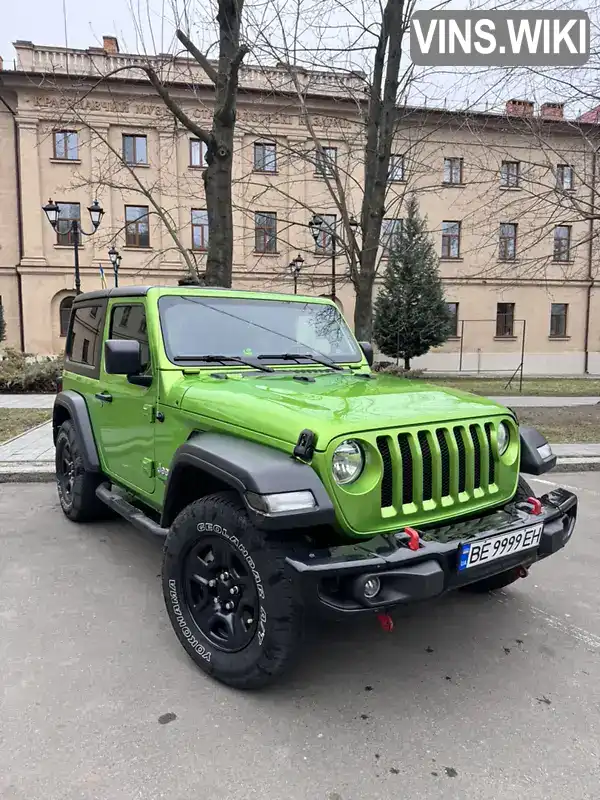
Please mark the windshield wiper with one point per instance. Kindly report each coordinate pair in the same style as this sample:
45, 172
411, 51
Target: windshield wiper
248, 362
321, 359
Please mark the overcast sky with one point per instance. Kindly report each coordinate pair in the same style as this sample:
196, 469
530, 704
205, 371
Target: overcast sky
43, 22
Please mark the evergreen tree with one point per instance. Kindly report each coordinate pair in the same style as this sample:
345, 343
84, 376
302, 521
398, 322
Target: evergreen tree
411, 315
2, 323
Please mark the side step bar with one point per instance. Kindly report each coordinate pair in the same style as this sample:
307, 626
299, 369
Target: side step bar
129, 512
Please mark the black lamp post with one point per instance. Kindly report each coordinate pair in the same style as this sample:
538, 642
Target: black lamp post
115, 260
52, 211
295, 266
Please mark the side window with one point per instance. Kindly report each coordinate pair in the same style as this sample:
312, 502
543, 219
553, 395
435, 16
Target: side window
83, 342
128, 321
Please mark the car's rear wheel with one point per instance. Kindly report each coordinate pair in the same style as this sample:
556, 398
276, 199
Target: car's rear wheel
230, 599
76, 486
496, 582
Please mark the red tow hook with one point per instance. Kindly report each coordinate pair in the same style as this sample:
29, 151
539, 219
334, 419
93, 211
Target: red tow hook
536, 505
413, 538
386, 622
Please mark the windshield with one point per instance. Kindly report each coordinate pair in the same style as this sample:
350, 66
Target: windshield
234, 326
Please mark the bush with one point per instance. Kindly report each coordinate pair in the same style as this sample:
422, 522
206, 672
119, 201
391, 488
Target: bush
19, 375
398, 371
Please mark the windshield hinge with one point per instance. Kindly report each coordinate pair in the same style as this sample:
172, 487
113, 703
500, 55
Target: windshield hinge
305, 446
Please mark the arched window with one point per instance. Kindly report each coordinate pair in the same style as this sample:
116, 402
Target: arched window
64, 313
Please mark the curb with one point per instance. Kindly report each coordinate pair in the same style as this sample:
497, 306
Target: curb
23, 472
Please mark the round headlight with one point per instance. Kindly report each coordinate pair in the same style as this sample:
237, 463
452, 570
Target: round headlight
348, 462
503, 438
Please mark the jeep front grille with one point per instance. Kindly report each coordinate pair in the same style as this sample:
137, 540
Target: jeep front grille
437, 466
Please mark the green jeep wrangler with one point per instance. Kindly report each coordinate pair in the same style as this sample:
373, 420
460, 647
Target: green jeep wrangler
286, 478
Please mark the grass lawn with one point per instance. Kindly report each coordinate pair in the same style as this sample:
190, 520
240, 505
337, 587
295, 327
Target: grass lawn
557, 387
578, 424
14, 421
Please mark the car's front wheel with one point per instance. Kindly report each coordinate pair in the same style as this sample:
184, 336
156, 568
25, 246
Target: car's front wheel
230, 599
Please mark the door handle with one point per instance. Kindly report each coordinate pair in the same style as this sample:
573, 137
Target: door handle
105, 397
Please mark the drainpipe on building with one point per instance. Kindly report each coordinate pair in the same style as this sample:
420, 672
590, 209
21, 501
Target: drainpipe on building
590, 276
19, 223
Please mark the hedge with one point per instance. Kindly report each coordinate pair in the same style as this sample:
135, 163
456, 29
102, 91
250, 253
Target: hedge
20, 375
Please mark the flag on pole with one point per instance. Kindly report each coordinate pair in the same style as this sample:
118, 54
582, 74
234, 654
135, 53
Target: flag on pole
102, 278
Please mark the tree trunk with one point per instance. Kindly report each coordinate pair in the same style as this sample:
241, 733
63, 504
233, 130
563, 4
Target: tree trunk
406, 362
363, 309
217, 184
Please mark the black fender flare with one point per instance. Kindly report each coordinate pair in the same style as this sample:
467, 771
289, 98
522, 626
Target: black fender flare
532, 461
75, 406
250, 467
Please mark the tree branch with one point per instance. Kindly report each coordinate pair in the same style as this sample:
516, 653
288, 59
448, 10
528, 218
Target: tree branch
198, 55
174, 108
224, 112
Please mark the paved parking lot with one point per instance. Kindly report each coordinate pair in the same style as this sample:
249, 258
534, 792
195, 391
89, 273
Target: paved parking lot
471, 697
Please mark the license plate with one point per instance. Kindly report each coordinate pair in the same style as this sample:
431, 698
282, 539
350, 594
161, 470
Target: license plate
503, 544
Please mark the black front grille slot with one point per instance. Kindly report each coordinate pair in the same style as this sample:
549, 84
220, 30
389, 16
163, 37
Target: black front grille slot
445, 452
407, 468
492, 463
427, 464
476, 456
462, 459
387, 481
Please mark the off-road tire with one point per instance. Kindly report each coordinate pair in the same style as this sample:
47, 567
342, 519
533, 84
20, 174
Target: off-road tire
78, 497
275, 638
496, 582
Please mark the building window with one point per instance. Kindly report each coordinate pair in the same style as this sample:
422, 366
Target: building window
508, 241
505, 319
450, 239
453, 321
453, 168
265, 232
558, 320
390, 230
199, 229
564, 177
562, 243
509, 174
68, 213
135, 149
85, 350
64, 314
324, 243
396, 170
326, 161
265, 157
197, 153
137, 229
66, 145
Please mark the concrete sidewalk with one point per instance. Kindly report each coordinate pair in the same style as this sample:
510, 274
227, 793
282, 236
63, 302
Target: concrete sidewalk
26, 400
30, 457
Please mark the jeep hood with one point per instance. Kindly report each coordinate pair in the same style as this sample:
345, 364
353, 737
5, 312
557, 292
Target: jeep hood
280, 406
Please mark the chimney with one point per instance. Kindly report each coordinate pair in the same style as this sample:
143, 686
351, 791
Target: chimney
110, 44
519, 108
552, 110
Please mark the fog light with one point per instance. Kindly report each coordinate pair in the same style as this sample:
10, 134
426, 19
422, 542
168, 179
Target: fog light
371, 588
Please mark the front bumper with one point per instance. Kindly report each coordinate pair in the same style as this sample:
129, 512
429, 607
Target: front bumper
332, 579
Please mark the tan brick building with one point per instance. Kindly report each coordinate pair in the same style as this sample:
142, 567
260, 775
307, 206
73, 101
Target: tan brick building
509, 199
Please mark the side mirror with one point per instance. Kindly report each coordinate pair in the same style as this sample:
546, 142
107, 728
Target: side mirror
122, 357
367, 349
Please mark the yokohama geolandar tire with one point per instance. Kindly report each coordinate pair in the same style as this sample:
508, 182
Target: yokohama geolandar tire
503, 579
76, 486
232, 604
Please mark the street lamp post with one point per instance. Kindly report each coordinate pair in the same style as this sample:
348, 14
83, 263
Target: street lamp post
317, 227
295, 266
52, 211
115, 260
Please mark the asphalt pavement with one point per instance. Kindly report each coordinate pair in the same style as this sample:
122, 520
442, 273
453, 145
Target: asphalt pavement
478, 697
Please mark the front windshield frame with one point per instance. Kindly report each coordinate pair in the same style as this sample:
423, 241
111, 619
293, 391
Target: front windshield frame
355, 356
